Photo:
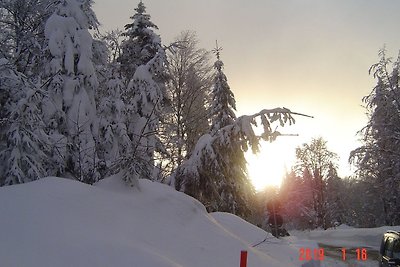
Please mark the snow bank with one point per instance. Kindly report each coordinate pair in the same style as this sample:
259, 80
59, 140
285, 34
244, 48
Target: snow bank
285, 249
60, 222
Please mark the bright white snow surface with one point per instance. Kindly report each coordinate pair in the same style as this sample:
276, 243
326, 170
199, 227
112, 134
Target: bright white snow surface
60, 222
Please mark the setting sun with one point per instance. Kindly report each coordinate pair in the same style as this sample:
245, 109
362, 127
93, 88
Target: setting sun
268, 167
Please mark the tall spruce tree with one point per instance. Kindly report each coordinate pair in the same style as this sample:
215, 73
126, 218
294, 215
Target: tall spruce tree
215, 173
145, 112
142, 63
141, 44
70, 109
234, 186
223, 105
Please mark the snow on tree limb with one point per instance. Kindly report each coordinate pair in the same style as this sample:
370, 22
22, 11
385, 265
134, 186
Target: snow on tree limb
377, 160
21, 131
205, 157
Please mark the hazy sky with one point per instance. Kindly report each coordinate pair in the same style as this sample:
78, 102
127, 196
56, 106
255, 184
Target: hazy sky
311, 56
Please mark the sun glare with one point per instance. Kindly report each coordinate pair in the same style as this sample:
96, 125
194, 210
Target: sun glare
268, 167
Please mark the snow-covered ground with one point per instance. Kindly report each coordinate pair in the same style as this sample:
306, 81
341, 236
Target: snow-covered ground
60, 222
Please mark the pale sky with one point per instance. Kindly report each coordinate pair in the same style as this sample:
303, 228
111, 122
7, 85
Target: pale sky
311, 56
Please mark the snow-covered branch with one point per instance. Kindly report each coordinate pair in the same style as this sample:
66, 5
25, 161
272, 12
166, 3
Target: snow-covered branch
207, 159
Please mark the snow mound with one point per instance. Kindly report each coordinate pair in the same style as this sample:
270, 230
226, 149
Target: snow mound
60, 222
285, 249
247, 232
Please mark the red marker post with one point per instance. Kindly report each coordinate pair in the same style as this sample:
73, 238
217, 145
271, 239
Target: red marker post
243, 258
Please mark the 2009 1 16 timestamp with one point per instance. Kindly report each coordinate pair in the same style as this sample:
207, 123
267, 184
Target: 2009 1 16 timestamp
318, 254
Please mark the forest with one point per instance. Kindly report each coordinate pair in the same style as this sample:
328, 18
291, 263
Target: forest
83, 104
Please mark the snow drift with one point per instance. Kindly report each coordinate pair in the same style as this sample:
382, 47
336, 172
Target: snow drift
60, 222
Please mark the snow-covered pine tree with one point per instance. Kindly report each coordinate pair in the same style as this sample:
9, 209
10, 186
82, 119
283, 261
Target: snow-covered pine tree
144, 114
234, 186
142, 64
141, 44
334, 197
70, 109
223, 105
21, 128
113, 136
378, 160
113, 139
215, 173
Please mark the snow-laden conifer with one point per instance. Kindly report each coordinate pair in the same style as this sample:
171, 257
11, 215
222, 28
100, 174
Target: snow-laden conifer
70, 83
223, 104
22, 138
113, 136
141, 44
144, 112
142, 64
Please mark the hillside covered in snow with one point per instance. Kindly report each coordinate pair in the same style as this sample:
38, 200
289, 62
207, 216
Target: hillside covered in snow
60, 222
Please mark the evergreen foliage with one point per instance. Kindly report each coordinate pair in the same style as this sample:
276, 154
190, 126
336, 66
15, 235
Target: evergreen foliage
335, 195
223, 104
141, 44
145, 108
113, 135
22, 138
70, 106
378, 160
